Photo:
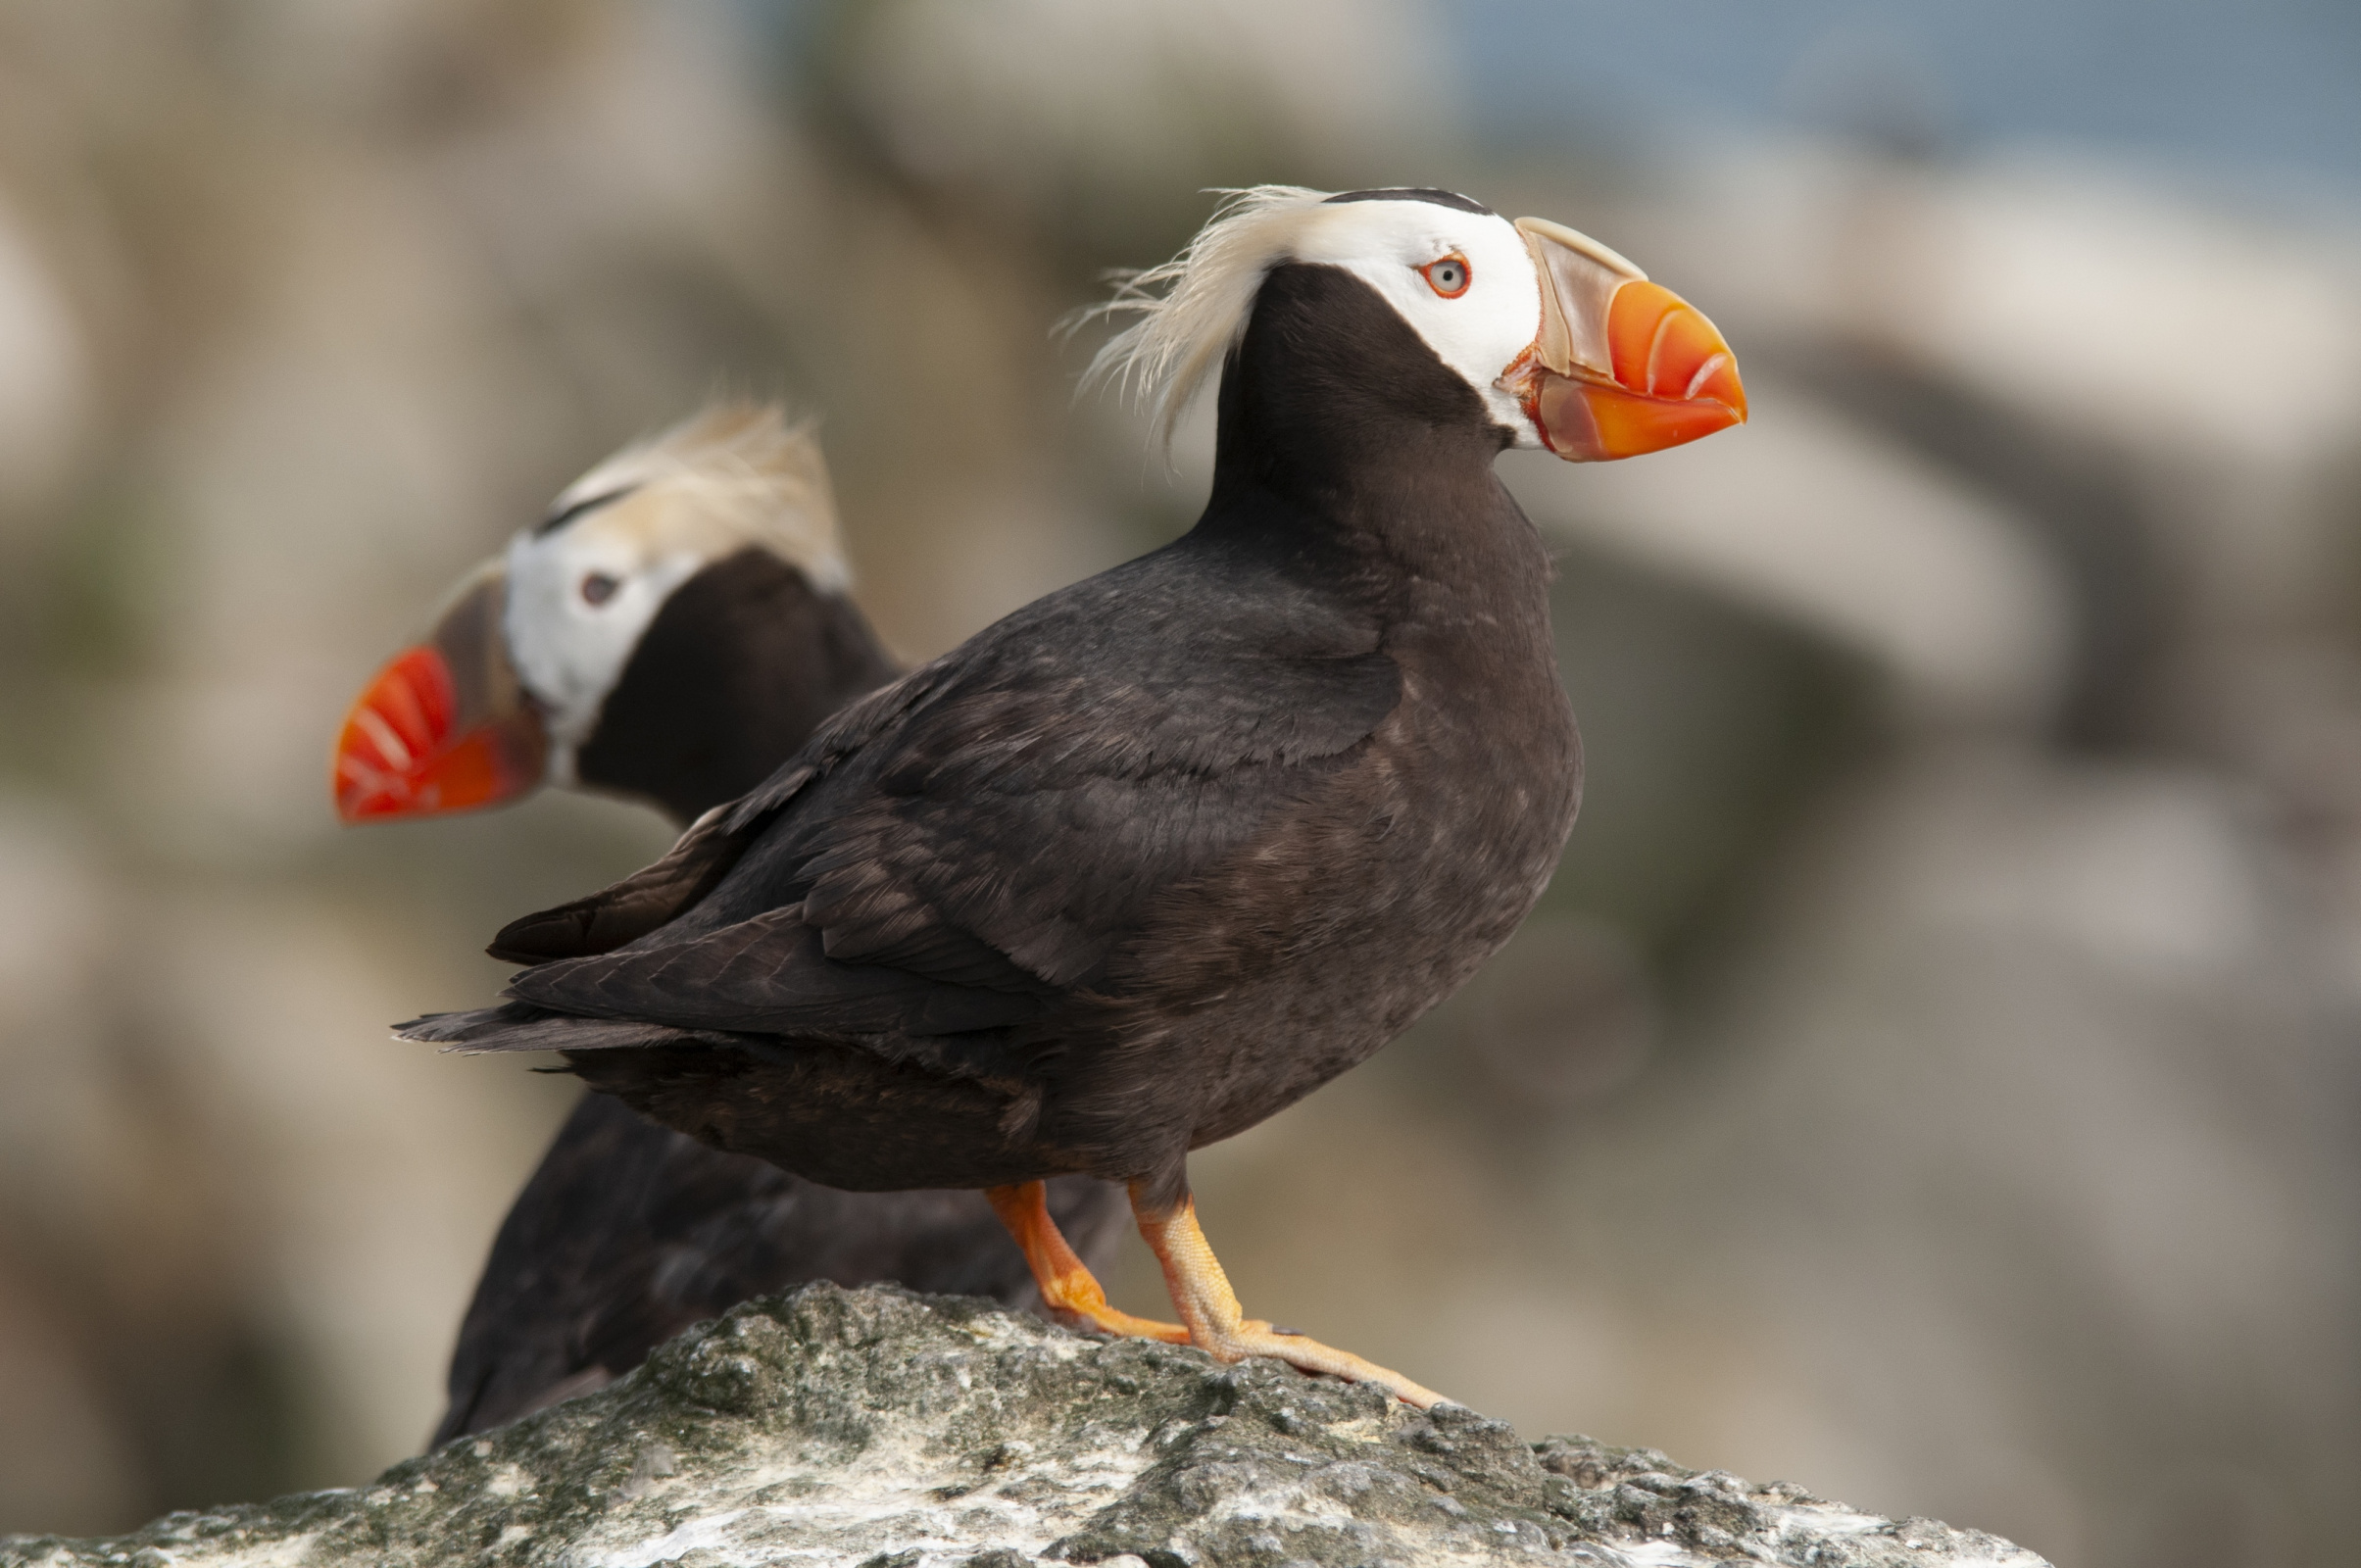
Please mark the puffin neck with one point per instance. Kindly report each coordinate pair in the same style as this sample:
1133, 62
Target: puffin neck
1333, 403
740, 665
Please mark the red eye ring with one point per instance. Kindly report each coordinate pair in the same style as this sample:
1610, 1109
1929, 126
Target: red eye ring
1438, 275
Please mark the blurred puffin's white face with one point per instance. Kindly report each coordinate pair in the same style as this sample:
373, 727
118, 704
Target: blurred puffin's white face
500, 696
1465, 282
581, 593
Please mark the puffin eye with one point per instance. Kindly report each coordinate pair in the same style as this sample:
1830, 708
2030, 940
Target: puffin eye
598, 588
1449, 277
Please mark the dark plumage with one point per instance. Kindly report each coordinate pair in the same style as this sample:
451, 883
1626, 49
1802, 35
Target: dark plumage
1154, 857
1076, 880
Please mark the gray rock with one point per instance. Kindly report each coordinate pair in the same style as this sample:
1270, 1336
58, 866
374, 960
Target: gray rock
885, 1430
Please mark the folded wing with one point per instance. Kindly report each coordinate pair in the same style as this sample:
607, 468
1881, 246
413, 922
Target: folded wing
961, 850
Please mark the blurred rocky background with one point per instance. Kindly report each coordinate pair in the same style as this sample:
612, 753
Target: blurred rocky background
1933, 1076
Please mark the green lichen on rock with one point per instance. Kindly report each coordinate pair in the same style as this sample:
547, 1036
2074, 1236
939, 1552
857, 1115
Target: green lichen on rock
878, 1429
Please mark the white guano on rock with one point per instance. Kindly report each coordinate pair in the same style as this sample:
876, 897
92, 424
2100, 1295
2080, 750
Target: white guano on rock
878, 1429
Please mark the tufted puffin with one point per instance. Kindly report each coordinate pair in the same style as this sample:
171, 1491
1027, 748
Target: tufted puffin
1160, 852
671, 631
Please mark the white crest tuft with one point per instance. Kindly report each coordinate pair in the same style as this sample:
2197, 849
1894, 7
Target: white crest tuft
1193, 307
734, 473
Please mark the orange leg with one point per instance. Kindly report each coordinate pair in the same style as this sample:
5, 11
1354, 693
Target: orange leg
1217, 1324
1067, 1286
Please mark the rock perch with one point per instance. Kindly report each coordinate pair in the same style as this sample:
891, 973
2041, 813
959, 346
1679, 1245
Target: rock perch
885, 1430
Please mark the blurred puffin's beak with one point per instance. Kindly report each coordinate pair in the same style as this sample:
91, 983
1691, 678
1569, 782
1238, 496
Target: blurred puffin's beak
1621, 365
446, 727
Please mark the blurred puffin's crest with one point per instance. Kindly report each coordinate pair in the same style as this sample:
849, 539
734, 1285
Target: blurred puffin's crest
735, 474
585, 585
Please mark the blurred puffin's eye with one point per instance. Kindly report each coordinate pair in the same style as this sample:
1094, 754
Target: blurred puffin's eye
598, 588
1449, 277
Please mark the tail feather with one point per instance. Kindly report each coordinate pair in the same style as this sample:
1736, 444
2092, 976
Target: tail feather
521, 1026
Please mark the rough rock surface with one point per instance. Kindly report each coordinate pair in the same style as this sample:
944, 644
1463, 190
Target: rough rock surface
885, 1430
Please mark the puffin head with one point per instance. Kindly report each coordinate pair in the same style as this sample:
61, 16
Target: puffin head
1569, 346
542, 652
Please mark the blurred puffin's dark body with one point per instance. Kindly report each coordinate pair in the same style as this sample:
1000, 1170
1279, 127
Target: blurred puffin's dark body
628, 1232
1140, 864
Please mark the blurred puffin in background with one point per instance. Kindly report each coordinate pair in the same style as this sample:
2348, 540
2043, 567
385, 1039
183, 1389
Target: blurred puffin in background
1154, 857
673, 631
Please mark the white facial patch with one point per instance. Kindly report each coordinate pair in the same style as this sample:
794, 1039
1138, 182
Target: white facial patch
585, 586
1392, 245
580, 598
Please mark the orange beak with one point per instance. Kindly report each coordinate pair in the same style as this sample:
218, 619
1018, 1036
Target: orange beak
445, 727
1621, 365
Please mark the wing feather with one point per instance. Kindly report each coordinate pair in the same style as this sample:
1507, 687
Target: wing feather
661, 892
